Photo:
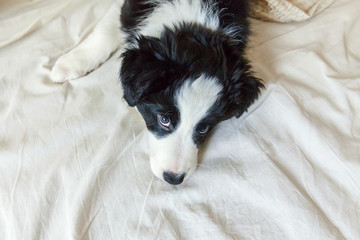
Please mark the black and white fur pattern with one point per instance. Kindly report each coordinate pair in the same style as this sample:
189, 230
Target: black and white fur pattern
183, 67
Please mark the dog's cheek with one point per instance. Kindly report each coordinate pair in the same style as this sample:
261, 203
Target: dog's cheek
156, 153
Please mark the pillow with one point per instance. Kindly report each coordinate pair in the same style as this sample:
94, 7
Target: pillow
287, 10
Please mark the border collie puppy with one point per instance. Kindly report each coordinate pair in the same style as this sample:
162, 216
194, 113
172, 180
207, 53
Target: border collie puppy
183, 66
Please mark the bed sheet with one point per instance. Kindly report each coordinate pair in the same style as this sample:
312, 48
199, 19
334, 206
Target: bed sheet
73, 156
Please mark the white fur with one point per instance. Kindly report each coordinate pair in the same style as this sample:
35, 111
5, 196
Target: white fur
170, 14
93, 51
177, 152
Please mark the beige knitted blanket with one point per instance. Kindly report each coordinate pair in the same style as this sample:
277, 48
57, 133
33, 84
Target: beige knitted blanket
287, 10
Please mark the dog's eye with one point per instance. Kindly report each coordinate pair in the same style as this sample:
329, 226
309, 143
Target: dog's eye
203, 130
164, 121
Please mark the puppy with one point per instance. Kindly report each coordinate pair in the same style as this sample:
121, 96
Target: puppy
183, 67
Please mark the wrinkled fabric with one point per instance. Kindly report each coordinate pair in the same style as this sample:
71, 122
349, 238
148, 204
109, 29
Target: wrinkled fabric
74, 159
287, 10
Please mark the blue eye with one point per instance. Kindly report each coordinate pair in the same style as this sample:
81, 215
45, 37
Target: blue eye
203, 130
164, 121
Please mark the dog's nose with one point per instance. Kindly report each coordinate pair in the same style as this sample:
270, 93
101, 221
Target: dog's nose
173, 178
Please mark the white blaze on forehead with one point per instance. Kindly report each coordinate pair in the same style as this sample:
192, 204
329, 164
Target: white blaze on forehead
194, 99
171, 13
177, 151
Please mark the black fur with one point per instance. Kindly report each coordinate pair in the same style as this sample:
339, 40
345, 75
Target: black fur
152, 72
159, 104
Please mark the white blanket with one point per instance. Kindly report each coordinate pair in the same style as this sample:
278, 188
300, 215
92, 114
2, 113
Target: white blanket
73, 156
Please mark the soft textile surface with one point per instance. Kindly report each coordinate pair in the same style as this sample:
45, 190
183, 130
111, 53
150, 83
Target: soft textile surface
287, 10
73, 156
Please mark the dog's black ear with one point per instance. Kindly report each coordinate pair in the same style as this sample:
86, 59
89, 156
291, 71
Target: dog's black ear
243, 88
144, 70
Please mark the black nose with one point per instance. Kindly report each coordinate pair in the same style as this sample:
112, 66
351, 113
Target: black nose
173, 178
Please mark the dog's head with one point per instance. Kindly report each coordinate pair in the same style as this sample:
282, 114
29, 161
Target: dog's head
183, 84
